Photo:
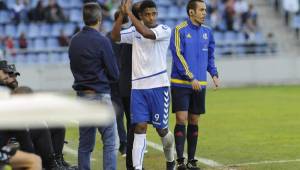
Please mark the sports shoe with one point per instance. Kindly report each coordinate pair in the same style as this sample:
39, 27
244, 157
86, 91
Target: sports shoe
52, 164
123, 149
6, 152
171, 165
61, 161
192, 165
180, 164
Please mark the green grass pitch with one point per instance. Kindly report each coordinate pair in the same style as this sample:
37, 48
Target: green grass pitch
242, 125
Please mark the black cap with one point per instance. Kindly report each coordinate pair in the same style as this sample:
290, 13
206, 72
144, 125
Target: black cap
4, 66
12, 70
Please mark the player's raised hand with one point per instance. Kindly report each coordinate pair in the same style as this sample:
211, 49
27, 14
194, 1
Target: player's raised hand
122, 7
216, 81
127, 5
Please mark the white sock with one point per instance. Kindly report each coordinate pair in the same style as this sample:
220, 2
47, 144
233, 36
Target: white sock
139, 146
168, 145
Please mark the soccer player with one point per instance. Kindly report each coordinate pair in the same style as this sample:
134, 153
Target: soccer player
123, 52
192, 45
150, 82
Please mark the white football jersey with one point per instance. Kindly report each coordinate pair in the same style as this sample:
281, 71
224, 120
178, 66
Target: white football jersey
149, 57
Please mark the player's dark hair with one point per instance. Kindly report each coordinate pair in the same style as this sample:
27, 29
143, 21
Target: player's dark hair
136, 10
147, 4
91, 13
192, 4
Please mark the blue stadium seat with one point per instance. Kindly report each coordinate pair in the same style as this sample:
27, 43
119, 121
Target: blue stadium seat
65, 58
230, 36
43, 58
161, 21
32, 58
227, 49
33, 3
259, 37
33, 30
218, 51
69, 28
241, 37
173, 12
182, 13
222, 26
164, 3
171, 23
10, 3
56, 29
219, 36
52, 43
5, 17
178, 21
107, 25
16, 43
29, 43
162, 12
39, 44
45, 2
76, 3
75, 15
10, 30
65, 3
21, 58
55, 58
240, 49
22, 28
45, 30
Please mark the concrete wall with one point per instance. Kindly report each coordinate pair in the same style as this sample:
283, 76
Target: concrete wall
233, 72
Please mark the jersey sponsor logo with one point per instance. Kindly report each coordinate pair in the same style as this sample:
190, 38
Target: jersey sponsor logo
138, 37
188, 35
205, 36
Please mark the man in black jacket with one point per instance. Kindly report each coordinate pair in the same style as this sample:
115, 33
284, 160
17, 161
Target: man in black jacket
94, 67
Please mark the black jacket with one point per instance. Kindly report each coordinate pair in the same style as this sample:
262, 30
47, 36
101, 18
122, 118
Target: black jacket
92, 61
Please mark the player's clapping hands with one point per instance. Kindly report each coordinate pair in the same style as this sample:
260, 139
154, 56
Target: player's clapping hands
126, 6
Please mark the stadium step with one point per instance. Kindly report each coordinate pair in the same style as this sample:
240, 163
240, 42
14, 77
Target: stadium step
271, 21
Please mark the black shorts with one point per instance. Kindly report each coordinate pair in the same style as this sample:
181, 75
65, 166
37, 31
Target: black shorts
187, 99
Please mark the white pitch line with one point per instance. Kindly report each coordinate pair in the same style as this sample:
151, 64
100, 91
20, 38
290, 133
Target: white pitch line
73, 152
205, 161
264, 162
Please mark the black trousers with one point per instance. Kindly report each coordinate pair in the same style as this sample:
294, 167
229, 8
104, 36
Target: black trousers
42, 142
119, 109
48, 143
130, 132
58, 139
22, 136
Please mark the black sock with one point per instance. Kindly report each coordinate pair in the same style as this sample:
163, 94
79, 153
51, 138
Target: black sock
192, 138
179, 135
